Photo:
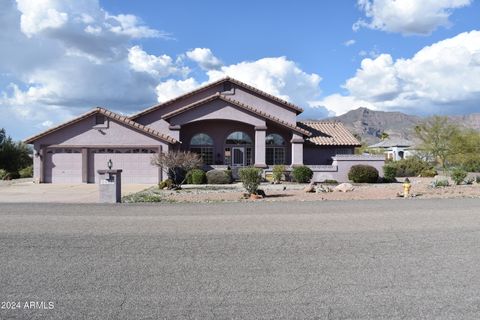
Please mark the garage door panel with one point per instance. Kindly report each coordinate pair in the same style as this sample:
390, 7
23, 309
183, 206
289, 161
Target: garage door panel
63, 166
135, 163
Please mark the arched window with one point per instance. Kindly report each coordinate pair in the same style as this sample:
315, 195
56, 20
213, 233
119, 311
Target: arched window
202, 144
201, 139
238, 149
275, 149
274, 139
238, 137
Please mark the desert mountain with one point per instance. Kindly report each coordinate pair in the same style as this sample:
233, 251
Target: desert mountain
369, 125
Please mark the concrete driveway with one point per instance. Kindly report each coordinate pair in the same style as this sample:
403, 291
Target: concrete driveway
27, 191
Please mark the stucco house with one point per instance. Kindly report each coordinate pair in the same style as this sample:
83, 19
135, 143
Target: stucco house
231, 124
395, 148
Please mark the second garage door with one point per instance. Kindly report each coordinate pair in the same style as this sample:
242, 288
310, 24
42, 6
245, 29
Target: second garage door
135, 163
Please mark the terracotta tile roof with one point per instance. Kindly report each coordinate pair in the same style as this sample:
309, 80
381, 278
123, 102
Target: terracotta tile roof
329, 133
109, 114
240, 105
292, 106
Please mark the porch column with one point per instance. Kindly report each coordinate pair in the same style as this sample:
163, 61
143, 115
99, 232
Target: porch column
297, 150
260, 147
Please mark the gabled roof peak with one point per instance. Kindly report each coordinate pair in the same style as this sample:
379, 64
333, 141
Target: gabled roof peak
285, 103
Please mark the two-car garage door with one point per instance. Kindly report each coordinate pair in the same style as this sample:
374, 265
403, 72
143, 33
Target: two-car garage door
64, 165
135, 163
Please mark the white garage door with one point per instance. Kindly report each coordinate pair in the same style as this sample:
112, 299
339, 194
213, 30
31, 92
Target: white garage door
135, 163
63, 166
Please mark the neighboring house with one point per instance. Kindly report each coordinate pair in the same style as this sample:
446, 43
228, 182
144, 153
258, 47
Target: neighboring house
227, 122
396, 148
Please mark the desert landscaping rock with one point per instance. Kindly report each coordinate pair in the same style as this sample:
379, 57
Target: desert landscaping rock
344, 187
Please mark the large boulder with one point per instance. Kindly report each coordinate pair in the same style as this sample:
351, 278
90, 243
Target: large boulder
344, 187
309, 188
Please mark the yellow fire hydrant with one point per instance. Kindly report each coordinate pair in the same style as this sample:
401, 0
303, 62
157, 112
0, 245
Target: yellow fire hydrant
406, 188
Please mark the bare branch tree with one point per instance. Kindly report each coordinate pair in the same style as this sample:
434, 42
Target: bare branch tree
177, 163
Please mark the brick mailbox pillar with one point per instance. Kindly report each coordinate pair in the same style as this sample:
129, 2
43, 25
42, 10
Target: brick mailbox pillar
110, 186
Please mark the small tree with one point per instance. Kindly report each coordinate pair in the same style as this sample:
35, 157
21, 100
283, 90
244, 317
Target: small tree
251, 178
176, 163
14, 156
437, 136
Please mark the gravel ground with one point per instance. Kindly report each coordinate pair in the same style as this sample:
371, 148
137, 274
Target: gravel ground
294, 192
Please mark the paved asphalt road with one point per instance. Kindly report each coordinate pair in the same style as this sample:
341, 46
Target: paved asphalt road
417, 259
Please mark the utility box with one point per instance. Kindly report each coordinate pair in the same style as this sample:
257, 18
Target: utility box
110, 186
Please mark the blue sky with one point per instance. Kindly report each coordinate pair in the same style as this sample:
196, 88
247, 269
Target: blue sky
63, 58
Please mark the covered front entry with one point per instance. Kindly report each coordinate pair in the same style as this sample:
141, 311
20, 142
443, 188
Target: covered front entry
63, 165
135, 163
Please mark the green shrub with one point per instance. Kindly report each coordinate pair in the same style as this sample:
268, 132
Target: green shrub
219, 177
302, 174
472, 165
458, 175
412, 167
363, 174
470, 180
428, 173
251, 178
389, 172
196, 176
26, 172
3, 173
166, 184
440, 183
277, 172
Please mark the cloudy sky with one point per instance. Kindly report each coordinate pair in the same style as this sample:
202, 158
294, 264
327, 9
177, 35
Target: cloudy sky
60, 58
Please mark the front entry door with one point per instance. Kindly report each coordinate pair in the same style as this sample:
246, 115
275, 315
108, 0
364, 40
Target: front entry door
238, 159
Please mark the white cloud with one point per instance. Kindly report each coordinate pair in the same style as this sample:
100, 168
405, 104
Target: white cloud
158, 66
349, 43
441, 78
171, 88
64, 57
278, 76
338, 104
205, 58
408, 16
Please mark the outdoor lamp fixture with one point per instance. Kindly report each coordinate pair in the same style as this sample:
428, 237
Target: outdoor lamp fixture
110, 164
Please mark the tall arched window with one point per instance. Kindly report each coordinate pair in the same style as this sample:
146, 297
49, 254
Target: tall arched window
275, 149
238, 149
202, 144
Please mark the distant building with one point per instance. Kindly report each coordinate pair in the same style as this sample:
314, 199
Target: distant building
395, 148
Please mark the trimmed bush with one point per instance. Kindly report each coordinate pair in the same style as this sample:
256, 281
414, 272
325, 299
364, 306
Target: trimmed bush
363, 174
219, 177
26, 172
412, 167
458, 175
302, 174
277, 172
389, 172
166, 184
251, 178
196, 176
3, 173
